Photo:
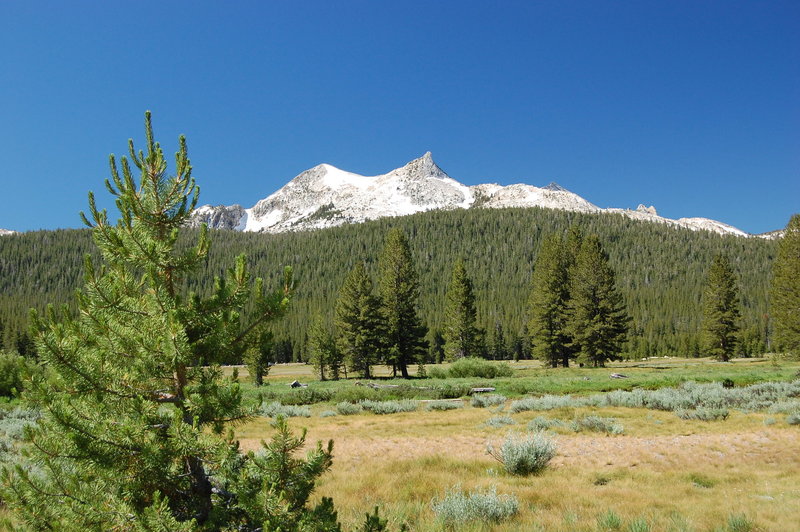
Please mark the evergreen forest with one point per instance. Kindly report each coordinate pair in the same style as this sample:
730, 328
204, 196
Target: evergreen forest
660, 272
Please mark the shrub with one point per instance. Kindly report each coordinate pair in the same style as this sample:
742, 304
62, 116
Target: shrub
459, 507
348, 409
12, 429
609, 521
524, 454
499, 421
451, 391
306, 396
545, 402
483, 401
480, 368
793, 419
437, 372
444, 405
276, 409
703, 414
12, 368
540, 423
355, 394
785, 407
769, 421
606, 425
389, 407
328, 413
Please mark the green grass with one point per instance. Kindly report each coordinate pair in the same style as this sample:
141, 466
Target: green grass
529, 378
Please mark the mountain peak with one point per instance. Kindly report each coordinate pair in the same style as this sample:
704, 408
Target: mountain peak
423, 168
555, 187
326, 196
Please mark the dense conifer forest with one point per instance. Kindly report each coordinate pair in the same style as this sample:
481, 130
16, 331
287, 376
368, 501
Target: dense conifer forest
660, 272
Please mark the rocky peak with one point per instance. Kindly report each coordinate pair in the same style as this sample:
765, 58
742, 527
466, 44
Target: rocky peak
647, 210
421, 169
555, 187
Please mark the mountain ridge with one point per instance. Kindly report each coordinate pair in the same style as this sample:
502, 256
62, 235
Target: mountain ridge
326, 196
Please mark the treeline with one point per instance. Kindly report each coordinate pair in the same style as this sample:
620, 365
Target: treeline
660, 272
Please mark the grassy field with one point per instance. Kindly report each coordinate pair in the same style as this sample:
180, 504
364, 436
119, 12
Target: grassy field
661, 473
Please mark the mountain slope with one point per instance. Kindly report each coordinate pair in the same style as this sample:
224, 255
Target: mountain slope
325, 196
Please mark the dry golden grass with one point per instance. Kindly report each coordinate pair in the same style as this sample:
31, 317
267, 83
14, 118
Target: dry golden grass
680, 475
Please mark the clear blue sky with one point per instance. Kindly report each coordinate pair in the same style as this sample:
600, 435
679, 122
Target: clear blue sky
692, 106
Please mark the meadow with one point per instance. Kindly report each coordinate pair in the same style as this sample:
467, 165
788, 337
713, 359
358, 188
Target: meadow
657, 450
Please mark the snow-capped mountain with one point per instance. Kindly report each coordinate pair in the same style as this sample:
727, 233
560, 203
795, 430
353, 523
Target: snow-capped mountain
4, 232
325, 196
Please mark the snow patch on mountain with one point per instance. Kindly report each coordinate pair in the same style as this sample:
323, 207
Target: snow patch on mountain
4, 232
326, 196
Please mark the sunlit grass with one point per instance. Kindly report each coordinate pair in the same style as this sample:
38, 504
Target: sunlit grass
669, 473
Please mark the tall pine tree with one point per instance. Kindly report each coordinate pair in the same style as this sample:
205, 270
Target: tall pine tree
598, 321
720, 310
322, 351
547, 305
785, 290
460, 332
133, 406
399, 294
359, 327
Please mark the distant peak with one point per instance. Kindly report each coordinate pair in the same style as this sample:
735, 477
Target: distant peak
555, 187
424, 167
648, 210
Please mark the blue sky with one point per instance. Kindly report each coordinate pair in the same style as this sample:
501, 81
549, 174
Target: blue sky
691, 106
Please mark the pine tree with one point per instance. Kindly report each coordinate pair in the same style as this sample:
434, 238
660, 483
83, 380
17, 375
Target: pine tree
499, 350
460, 332
133, 404
785, 290
598, 322
399, 293
359, 328
720, 310
322, 351
547, 305
436, 353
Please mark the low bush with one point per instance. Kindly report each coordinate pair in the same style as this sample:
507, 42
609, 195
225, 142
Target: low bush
12, 428
484, 401
355, 394
451, 391
389, 407
545, 402
605, 425
328, 413
479, 368
524, 454
437, 372
459, 507
785, 407
306, 396
540, 423
793, 419
348, 409
444, 405
276, 409
499, 421
703, 414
